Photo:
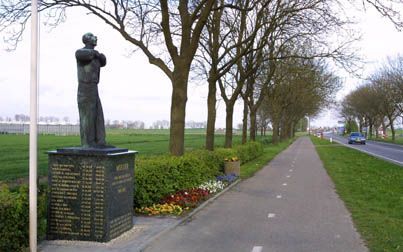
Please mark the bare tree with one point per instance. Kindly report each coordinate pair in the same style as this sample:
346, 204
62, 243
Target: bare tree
219, 42
233, 80
293, 29
147, 25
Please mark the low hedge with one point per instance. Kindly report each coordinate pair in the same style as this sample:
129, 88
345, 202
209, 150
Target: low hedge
14, 217
158, 176
155, 177
249, 151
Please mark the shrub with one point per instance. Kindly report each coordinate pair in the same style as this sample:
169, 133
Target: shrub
249, 151
159, 176
14, 217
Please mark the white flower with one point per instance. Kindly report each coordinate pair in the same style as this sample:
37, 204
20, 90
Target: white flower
212, 186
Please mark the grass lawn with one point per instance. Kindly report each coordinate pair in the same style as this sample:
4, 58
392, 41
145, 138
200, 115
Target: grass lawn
14, 149
372, 190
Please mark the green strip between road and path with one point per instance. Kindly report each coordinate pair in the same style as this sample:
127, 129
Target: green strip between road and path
372, 190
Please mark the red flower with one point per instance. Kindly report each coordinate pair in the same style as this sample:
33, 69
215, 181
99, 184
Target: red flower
187, 198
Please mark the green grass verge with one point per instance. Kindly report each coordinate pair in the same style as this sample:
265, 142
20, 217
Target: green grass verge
270, 151
372, 190
15, 150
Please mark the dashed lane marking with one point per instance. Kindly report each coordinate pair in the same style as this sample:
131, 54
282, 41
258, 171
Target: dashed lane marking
279, 196
271, 215
284, 184
257, 249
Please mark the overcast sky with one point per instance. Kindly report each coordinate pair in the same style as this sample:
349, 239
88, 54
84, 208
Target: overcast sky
130, 88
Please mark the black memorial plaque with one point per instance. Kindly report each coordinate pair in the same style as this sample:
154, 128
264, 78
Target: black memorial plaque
91, 194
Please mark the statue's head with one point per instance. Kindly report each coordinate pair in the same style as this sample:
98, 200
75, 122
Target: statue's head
89, 39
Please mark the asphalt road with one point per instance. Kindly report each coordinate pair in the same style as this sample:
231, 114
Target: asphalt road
390, 152
290, 205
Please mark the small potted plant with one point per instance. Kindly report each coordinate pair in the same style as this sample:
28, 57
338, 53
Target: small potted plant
232, 165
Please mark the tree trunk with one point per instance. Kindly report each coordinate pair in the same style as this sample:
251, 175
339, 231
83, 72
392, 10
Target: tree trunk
292, 129
211, 114
275, 132
392, 128
252, 133
283, 131
178, 111
245, 122
228, 124
370, 129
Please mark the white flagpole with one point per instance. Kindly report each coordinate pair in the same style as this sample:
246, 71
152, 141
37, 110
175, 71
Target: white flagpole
33, 132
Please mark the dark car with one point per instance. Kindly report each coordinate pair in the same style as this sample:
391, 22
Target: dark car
356, 137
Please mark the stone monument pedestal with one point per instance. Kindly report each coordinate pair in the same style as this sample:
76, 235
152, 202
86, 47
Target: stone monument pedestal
91, 193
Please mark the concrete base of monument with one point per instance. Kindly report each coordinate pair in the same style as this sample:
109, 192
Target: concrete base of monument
91, 193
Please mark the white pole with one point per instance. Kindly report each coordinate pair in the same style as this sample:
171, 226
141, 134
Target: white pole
33, 132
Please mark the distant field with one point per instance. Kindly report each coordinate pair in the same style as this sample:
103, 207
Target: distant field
14, 148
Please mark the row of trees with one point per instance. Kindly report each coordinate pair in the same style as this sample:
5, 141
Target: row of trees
25, 118
302, 88
238, 46
159, 124
379, 101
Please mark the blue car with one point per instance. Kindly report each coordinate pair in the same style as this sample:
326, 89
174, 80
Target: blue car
356, 137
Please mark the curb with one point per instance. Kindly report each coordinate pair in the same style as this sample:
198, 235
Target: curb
141, 248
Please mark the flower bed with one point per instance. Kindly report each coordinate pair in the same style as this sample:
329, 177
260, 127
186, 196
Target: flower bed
187, 198
161, 209
212, 186
229, 178
182, 200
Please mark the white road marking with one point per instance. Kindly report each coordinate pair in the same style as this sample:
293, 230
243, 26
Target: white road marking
271, 215
257, 249
279, 196
290, 170
288, 176
284, 184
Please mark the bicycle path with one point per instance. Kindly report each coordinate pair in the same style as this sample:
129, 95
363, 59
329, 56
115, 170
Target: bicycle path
289, 205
